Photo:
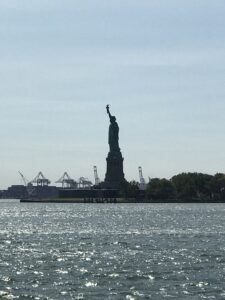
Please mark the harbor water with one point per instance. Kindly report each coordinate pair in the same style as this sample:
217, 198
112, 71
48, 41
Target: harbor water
112, 251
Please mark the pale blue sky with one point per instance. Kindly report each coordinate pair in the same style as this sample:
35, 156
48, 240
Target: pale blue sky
159, 64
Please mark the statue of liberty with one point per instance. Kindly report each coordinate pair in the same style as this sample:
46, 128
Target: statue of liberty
114, 176
113, 139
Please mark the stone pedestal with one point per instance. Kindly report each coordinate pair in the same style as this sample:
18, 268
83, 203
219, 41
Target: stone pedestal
114, 172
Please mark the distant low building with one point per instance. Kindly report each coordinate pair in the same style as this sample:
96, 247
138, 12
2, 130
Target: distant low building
15, 192
21, 192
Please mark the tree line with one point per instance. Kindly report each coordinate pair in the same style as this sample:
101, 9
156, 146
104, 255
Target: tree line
184, 187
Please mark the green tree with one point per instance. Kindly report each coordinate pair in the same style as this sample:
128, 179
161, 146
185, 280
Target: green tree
160, 189
190, 186
129, 189
218, 187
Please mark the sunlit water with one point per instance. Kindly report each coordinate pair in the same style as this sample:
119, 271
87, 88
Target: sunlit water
112, 251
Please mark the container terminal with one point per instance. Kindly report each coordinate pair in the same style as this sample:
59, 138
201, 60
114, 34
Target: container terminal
67, 189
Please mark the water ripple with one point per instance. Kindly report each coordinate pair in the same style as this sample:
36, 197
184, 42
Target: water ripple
56, 251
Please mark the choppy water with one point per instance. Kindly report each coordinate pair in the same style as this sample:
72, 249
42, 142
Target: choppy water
108, 251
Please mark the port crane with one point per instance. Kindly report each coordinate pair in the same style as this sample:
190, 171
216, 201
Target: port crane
97, 180
40, 180
29, 187
67, 181
142, 184
84, 183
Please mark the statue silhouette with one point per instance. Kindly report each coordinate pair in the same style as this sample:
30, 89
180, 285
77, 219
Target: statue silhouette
114, 176
113, 138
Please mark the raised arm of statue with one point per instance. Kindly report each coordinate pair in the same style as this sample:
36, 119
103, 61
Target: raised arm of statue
108, 112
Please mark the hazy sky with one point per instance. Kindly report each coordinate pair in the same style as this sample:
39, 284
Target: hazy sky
160, 64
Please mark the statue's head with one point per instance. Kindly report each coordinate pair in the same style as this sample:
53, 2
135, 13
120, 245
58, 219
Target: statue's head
113, 118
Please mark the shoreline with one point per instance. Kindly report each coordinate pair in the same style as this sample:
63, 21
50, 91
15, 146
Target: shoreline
115, 201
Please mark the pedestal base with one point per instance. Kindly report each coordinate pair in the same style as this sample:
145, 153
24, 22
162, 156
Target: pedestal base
114, 173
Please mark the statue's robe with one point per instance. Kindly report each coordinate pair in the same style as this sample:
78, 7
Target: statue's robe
114, 136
